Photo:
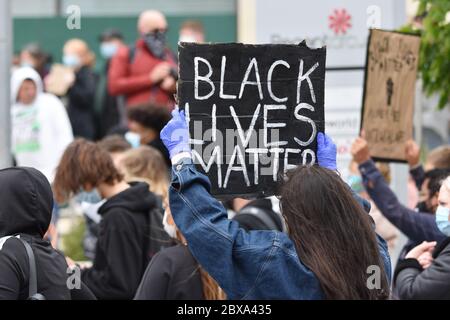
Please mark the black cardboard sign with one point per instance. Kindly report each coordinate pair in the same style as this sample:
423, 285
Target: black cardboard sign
254, 112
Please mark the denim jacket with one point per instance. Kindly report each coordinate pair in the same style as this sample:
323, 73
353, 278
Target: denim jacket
247, 265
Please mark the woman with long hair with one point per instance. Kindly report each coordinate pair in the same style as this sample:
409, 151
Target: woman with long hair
174, 274
332, 234
331, 250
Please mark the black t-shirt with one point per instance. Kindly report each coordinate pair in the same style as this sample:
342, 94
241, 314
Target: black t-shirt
172, 274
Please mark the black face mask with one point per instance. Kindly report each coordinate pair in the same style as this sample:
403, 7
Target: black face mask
156, 43
423, 207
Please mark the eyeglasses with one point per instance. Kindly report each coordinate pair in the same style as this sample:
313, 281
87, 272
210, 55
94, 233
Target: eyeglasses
156, 31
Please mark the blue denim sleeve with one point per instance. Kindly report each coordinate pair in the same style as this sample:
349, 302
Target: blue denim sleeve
417, 226
232, 256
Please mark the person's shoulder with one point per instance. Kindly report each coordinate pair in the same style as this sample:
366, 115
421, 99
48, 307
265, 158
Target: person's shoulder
115, 214
174, 255
11, 248
123, 51
176, 250
117, 218
280, 241
10, 242
50, 100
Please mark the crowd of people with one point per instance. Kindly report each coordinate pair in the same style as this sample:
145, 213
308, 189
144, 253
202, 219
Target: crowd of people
153, 229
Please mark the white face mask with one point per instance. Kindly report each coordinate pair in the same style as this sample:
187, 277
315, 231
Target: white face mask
187, 38
169, 228
442, 216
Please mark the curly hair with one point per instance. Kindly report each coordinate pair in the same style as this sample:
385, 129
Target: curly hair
150, 116
83, 163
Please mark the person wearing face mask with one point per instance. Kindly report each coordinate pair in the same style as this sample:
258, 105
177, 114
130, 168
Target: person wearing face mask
82, 86
425, 273
147, 71
124, 246
174, 274
419, 225
40, 126
147, 121
192, 31
110, 109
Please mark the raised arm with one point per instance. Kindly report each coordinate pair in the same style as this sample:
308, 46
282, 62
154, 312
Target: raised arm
223, 248
416, 225
412, 153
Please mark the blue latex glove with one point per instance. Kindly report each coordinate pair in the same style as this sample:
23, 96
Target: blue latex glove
326, 152
175, 135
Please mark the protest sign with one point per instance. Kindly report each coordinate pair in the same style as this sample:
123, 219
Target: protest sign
388, 102
253, 111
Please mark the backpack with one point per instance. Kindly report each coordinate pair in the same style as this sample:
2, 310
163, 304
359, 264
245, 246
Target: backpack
32, 285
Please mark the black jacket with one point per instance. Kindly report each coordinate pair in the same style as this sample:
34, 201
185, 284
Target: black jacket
111, 109
412, 282
130, 233
173, 274
81, 104
26, 204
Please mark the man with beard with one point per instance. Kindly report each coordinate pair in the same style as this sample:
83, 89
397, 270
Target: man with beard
418, 225
145, 72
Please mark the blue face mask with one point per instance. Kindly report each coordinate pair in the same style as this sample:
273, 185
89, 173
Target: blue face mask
442, 215
71, 60
133, 138
355, 182
108, 49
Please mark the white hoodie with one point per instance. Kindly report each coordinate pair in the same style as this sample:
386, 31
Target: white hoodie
41, 130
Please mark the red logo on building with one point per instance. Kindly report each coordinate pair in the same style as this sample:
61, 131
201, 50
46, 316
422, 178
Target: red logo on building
339, 21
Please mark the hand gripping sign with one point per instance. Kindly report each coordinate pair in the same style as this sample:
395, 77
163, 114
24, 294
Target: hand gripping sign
253, 112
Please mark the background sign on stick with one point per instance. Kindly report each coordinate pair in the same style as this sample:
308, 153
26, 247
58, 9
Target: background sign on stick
254, 111
388, 105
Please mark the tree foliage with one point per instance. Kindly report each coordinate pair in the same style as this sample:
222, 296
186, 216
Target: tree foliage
434, 59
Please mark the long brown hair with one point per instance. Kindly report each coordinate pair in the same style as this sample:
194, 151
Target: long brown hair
83, 163
211, 290
332, 233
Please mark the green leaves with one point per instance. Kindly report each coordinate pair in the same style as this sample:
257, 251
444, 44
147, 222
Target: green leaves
434, 59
